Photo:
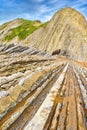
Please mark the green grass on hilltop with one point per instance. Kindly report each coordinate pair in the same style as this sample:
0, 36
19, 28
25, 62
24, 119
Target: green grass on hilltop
44, 24
25, 29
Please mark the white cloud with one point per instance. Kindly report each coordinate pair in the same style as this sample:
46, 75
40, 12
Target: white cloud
46, 18
43, 9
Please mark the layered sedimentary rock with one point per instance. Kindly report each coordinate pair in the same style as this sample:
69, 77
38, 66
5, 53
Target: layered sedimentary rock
39, 92
65, 33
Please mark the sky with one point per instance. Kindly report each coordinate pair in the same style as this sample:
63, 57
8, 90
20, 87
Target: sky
37, 9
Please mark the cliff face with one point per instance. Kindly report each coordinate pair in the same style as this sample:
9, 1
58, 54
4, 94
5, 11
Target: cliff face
66, 33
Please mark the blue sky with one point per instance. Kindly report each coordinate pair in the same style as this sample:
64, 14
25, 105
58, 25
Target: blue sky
37, 9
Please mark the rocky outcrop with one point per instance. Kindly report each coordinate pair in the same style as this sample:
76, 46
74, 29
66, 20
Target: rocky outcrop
6, 28
38, 92
66, 31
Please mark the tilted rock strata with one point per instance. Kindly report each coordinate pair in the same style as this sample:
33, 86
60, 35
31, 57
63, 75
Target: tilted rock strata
50, 89
66, 32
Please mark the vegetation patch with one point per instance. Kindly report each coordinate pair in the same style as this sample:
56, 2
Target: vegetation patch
44, 24
25, 29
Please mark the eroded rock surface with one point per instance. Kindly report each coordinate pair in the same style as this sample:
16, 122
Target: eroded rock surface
41, 92
66, 31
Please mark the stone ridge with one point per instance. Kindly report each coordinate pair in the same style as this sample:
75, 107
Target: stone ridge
65, 34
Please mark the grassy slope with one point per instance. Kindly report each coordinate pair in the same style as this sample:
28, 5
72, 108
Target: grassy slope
25, 29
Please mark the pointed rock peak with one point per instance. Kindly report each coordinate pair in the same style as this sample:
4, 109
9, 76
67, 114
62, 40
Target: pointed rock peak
70, 15
68, 10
